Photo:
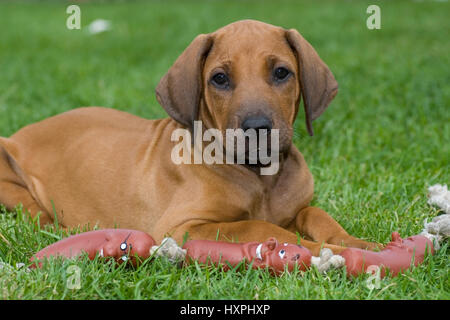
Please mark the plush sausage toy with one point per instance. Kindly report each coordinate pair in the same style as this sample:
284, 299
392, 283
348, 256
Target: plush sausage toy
397, 256
120, 244
269, 254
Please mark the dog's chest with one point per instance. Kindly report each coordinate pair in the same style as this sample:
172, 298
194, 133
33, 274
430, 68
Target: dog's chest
274, 208
281, 203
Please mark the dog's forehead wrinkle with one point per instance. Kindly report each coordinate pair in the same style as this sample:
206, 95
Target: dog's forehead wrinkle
252, 53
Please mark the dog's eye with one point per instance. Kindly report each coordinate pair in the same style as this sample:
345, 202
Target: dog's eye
281, 73
220, 80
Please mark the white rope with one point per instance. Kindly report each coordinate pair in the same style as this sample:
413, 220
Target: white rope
438, 230
169, 248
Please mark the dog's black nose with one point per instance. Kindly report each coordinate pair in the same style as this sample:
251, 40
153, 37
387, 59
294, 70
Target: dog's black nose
256, 122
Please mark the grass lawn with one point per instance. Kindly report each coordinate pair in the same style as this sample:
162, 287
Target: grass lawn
382, 142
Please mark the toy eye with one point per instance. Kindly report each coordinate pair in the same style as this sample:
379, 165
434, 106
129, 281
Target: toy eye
123, 246
282, 254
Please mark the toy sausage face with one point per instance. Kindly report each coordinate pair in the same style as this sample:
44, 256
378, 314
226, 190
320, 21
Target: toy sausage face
122, 249
136, 244
288, 256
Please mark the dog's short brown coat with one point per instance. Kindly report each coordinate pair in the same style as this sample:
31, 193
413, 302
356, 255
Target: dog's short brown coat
106, 167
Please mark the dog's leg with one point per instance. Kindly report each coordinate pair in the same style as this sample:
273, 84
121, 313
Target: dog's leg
319, 226
12, 194
14, 191
246, 231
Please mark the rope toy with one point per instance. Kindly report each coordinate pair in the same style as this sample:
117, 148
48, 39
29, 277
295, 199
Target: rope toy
327, 260
169, 249
438, 230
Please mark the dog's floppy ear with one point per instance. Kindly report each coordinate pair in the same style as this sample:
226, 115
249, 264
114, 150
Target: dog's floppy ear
180, 89
317, 83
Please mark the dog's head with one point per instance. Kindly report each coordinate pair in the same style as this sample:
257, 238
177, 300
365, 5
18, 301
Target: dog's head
247, 75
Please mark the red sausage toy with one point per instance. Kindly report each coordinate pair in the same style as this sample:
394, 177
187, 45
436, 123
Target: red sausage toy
397, 256
269, 254
120, 244
123, 244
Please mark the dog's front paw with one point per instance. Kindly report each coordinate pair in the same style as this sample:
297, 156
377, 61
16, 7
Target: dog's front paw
361, 244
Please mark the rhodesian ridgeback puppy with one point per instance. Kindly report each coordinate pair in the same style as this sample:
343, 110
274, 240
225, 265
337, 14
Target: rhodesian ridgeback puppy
110, 168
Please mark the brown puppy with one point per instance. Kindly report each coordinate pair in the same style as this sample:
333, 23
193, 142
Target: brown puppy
110, 168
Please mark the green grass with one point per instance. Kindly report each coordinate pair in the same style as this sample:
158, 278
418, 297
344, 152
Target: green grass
382, 142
